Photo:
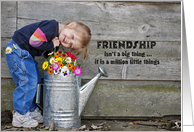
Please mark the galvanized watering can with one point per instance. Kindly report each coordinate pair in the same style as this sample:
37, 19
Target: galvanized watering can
64, 99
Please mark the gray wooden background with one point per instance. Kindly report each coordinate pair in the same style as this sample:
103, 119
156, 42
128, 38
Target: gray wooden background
131, 90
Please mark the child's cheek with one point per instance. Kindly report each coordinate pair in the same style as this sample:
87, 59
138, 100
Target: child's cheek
65, 45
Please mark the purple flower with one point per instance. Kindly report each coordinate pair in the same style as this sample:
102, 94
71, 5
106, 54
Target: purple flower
77, 71
55, 66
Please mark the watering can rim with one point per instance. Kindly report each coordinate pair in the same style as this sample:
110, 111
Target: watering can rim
102, 71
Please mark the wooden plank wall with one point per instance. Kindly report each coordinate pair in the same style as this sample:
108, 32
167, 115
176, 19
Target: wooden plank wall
150, 23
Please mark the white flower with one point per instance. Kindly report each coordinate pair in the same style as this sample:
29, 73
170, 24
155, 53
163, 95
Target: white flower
8, 50
68, 59
57, 71
64, 71
52, 60
14, 46
51, 53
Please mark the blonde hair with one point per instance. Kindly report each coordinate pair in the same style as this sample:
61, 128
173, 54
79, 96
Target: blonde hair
85, 36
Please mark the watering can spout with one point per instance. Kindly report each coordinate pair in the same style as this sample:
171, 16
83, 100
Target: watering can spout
87, 89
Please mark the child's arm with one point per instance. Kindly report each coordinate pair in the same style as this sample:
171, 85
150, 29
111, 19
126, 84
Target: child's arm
56, 42
44, 36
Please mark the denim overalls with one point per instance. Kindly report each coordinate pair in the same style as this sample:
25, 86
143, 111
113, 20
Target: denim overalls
26, 75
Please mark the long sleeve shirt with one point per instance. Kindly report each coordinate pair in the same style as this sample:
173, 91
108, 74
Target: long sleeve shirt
37, 37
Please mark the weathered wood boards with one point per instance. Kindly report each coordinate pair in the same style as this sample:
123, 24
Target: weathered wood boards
110, 20
134, 89
126, 99
167, 53
8, 18
119, 21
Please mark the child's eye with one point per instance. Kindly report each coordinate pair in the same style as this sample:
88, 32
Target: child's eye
73, 37
70, 45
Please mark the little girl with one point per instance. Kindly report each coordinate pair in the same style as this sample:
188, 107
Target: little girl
38, 39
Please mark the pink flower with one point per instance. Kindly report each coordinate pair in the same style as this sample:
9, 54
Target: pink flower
55, 66
69, 54
73, 57
77, 71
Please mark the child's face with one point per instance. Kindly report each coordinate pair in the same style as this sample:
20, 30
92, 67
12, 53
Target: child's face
69, 39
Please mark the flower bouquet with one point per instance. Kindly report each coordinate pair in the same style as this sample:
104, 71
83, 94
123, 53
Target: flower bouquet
63, 63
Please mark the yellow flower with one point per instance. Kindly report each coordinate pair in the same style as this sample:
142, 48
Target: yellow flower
8, 50
45, 65
59, 60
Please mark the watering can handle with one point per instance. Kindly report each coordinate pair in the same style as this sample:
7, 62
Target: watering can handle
56, 48
38, 96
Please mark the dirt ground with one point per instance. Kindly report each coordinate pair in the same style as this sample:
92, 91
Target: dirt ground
100, 125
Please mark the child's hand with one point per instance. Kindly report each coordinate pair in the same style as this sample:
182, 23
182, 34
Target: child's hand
56, 42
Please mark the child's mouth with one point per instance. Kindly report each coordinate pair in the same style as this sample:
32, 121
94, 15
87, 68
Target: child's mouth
64, 39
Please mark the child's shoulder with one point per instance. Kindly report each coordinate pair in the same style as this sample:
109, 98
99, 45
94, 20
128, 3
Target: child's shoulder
48, 21
45, 23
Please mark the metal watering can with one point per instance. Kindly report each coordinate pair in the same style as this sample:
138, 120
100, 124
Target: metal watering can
64, 100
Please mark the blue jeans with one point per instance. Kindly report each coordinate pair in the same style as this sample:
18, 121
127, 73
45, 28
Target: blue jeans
26, 75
